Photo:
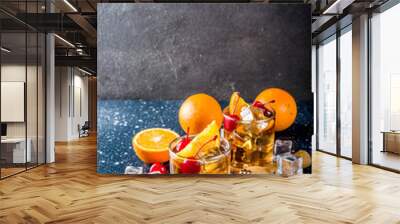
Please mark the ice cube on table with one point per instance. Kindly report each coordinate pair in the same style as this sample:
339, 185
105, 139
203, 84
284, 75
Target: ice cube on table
289, 165
133, 170
246, 114
282, 146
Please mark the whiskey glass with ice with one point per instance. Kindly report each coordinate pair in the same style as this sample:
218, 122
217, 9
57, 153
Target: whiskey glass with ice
252, 140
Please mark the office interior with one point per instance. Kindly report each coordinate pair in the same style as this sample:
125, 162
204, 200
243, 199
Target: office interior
48, 104
26, 64
57, 62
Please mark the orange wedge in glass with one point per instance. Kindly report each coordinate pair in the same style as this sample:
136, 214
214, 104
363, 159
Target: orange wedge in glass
202, 141
236, 103
152, 145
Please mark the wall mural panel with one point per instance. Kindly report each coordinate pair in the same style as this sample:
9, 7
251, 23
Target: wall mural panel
236, 77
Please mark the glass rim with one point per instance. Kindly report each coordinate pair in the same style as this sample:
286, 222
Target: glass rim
254, 121
217, 157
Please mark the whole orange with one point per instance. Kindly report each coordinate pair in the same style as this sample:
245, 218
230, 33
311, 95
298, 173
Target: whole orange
199, 110
284, 105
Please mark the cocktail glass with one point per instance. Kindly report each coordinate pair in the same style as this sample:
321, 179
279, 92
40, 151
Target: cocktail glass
214, 161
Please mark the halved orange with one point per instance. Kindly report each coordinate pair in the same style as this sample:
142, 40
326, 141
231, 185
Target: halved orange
236, 103
151, 145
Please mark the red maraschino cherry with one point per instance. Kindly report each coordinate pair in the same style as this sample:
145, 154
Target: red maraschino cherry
259, 104
192, 165
267, 112
158, 168
230, 120
184, 142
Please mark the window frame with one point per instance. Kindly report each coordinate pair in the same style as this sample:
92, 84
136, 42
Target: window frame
334, 37
381, 9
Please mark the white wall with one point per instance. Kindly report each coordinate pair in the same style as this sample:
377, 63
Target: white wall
16, 73
71, 102
9, 73
33, 127
62, 82
80, 110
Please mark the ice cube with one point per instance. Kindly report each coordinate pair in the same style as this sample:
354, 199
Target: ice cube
247, 145
261, 126
246, 114
258, 127
133, 170
209, 153
243, 130
282, 146
289, 165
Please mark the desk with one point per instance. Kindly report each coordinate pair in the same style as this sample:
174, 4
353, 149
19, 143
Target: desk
391, 141
13, 150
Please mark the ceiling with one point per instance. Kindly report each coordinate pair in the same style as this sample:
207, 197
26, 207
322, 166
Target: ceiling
76, 21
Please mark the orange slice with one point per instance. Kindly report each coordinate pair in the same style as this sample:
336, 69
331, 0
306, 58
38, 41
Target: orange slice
199, 142
236, 104
151, 145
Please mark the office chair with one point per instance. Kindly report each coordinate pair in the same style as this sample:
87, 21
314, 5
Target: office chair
84, 130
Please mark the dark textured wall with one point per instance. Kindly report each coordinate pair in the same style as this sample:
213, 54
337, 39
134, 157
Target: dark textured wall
170, 51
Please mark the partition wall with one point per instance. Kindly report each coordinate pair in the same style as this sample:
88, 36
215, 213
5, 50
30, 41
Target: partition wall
23, 85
